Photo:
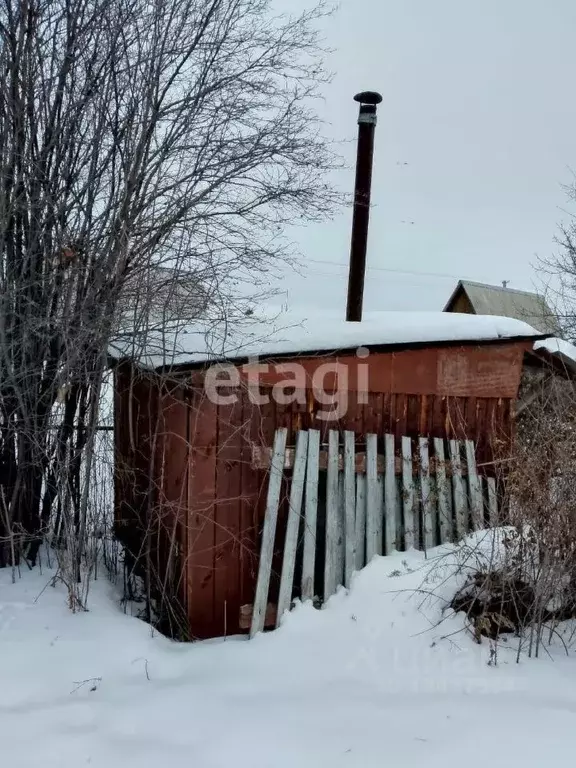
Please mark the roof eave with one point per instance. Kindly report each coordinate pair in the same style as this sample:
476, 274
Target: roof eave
196, 365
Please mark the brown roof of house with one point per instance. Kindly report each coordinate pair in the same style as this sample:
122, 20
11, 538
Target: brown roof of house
507, 302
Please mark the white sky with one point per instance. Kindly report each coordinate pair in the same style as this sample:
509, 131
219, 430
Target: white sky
478, 101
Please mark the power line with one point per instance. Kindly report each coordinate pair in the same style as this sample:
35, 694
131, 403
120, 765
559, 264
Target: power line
412, 272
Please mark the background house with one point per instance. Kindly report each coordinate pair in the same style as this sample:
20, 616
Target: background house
480, 299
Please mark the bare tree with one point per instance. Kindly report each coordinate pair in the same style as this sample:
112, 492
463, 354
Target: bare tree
558, 272
138, 138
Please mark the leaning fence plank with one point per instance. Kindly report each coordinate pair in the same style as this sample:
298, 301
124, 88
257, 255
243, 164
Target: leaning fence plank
373, 500
492, 501
360, 521
310, 515
269, 532
390, 496
292, 526
340, 554
458, 489
426, 492
349, 508
474, 488
443, 493
332, 516
381, 512
410, 512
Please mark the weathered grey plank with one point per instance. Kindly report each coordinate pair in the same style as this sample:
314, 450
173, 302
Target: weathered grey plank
373, 501
410, 510
458, 490
310, 515
382, 512
349, 507
332, 516
390, 495
443, 493
269, 532
492, 501
360, 521
292, 525
426, 492
340, 553
474, 488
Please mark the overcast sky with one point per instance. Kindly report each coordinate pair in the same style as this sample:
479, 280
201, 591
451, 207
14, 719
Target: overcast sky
476, 135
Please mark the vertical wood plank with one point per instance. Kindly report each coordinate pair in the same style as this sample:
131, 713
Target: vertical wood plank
373, 500
360, 521
492, 501
310, 515
458, 489
269, 532
425, 489
340, 553
410, 511
474, 488
382, 511
443, 493
332, 515
227, 523
292, 526
390, 495
201, 496
349, 507
250, 490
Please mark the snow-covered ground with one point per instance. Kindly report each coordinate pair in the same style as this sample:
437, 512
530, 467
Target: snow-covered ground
372, 680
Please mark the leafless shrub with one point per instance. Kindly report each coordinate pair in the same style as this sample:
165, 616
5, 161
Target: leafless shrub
529, 587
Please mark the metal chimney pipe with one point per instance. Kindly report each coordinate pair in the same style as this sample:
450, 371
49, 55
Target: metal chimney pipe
361, 216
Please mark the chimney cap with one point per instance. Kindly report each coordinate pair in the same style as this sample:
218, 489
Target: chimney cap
368, 97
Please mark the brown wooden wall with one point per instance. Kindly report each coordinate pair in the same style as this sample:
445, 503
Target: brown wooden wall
190, 505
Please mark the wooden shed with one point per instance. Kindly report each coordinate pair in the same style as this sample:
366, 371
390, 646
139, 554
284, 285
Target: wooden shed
190, 481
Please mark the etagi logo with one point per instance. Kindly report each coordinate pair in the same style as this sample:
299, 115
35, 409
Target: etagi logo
288, 382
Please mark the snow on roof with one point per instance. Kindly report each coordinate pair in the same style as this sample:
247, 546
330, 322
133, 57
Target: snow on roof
560, 348
287, 333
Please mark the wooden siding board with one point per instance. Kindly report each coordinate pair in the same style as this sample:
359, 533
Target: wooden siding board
437, 417
173, 461
201, 495
479, 370
227, 512
400, 427
251, 488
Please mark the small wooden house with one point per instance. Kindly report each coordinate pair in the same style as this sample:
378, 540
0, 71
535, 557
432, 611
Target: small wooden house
481, 299
190, 481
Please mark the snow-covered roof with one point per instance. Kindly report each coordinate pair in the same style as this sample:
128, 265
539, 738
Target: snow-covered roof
563, 350
288, 333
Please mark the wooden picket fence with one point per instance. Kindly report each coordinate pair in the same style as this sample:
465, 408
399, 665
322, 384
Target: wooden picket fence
409, 496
